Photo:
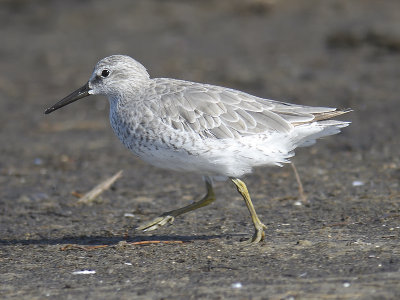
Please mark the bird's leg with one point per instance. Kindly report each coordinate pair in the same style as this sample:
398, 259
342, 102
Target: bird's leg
169, 216
259, 233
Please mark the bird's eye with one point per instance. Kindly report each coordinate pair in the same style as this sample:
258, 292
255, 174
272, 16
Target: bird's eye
105, 73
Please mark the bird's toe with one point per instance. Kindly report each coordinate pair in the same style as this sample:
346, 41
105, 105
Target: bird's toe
156, 223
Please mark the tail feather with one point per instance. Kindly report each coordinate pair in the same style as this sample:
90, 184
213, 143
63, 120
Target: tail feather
322, 128
324, 116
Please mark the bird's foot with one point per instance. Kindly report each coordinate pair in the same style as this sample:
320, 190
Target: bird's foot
258, 236
156, 223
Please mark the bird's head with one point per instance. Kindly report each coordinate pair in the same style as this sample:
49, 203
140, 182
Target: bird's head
112, 76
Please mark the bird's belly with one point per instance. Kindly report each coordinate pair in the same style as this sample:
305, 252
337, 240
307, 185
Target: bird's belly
178, 156
157, 148
173, 150
218, 158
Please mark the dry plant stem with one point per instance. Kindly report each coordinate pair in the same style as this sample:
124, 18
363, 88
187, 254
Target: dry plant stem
303, 196
98, 189
90, 248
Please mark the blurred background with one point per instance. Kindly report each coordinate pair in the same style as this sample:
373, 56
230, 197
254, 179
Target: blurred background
343, 54
335, 53
329, 53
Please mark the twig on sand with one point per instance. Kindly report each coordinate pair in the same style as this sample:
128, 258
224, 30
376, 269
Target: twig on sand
98, 189
86, 248
155, 242
140, 243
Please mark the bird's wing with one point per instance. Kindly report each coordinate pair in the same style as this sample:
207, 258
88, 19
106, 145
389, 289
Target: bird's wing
217, 112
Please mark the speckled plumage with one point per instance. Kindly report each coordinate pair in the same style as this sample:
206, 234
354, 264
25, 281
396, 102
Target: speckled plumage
211, 130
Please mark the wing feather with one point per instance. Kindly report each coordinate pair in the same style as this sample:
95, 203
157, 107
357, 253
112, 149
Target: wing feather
247, 118
217, 112
230, 115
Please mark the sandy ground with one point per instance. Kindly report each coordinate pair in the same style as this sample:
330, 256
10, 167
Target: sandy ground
344, 244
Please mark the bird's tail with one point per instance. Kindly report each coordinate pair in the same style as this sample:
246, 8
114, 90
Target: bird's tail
325, 115
308, 133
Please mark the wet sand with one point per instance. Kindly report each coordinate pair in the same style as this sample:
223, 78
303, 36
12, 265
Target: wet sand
343, 244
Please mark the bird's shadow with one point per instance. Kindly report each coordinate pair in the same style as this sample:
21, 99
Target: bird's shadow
110, 241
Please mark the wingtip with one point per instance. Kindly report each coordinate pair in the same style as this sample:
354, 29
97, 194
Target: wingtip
345, 110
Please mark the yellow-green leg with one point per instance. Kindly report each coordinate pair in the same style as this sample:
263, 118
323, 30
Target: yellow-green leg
169, 216
259, 233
